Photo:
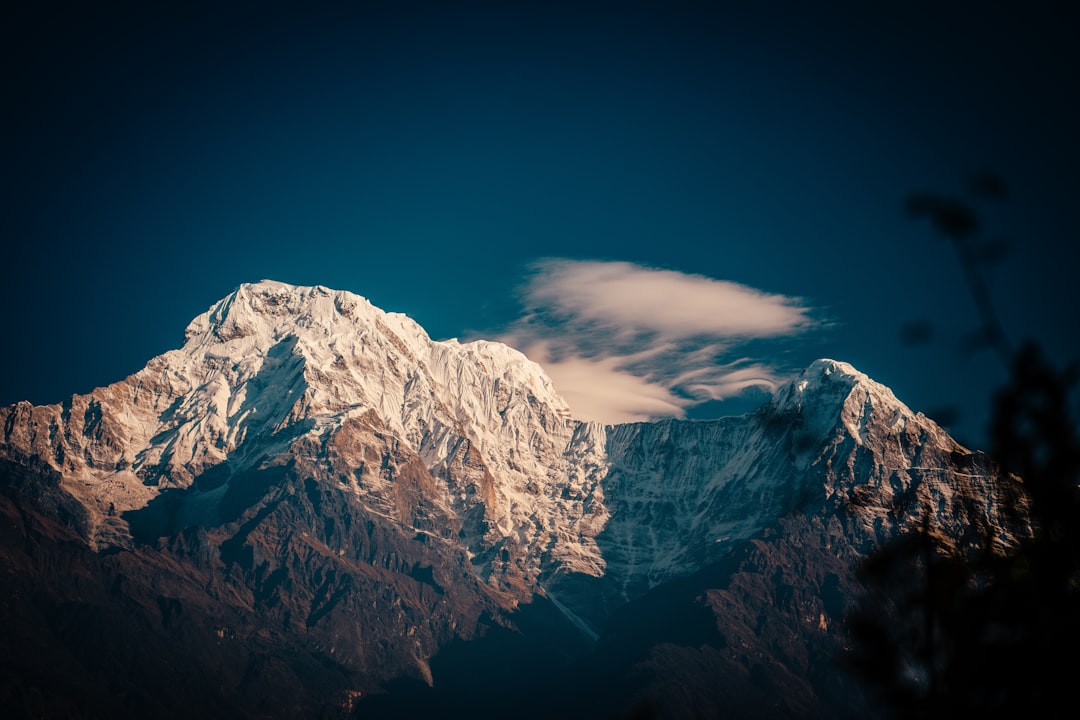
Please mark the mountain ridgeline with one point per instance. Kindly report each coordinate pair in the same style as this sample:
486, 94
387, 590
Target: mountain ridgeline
313, 510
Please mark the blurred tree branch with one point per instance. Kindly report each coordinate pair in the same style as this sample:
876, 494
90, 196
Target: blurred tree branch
951, 625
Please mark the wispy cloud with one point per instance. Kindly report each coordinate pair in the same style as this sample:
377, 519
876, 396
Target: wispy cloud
625, 342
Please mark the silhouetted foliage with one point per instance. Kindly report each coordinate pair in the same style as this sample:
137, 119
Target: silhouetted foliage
919, 332
955, 626
959, 224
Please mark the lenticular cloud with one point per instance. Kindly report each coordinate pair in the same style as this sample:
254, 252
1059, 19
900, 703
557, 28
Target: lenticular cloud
625, 342
671, 304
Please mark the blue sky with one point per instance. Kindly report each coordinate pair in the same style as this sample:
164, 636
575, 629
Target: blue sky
613, 187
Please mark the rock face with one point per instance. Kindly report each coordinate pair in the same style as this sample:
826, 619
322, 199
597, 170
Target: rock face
311, 502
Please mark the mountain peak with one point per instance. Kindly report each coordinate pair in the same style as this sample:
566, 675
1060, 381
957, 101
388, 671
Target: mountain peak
827, 366
310, 460
831, 395
826, 379
275, 371
269, 309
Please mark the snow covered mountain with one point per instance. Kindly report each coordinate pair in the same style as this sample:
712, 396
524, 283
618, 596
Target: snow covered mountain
308, 471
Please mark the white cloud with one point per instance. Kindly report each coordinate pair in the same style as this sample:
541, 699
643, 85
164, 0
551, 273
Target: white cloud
669, 303
624, 342
596, 389
724, 381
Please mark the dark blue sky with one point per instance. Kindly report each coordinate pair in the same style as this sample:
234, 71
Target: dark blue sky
425, 155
